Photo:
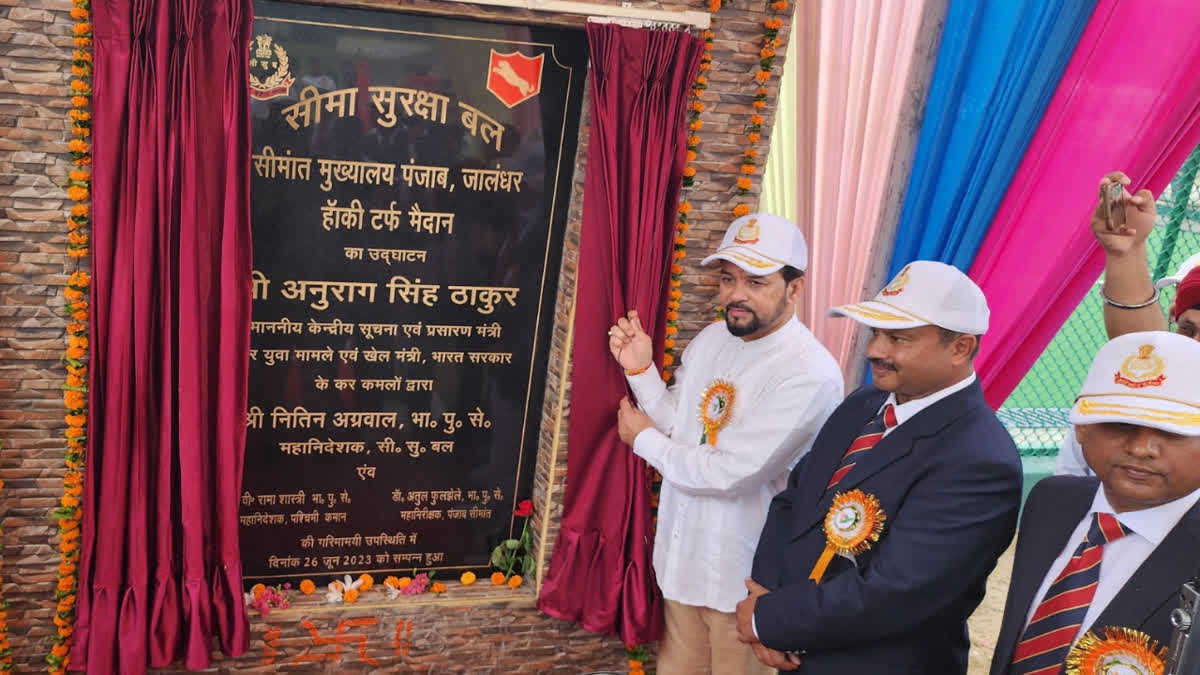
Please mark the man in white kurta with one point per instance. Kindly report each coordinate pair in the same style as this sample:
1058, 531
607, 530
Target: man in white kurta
749, 396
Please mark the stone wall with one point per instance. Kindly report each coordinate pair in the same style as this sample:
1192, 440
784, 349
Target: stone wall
479, 629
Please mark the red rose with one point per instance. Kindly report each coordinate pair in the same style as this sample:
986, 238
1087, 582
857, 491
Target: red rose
524, 508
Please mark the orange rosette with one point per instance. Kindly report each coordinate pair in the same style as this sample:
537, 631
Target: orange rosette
854, 522
1122, 651
716, 407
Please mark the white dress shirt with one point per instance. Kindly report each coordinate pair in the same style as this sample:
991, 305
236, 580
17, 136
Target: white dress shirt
714, 498
1070, 461
1120, 558
906, 411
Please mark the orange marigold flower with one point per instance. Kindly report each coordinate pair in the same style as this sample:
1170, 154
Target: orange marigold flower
78, 85
637, 671
367, 582
714, 5
467, 578
748, 169
681, 226
779, 5
685, 207
79, 115
66, 568
76, 420
756, 119
79, 210
73, 490
69, 501
693, 140
76, 341
697, 106
700, 79
83, 42
77, 194
392, 581
766, 52
691, 156
498, 578
671, 330
751, 152
77, 239
77, 145
708, 46
759, 105
676, 293
514, 581
689, 171
79, 71
79, 101
307, 587
437, 587
743, 183
72, 293
73, 224
79, 175
696, 125
73, 432
67, 582
72, 478
773, 24
741, 210
753, 136
680, 240
79, 278
761, 91
82, 132
79, 13
79, 314
59, 650
77, 252
705, 65
403, 582
762, 75
668, 360
81, 55
680, 255
669, 344
83, 28
351, 595
676, 269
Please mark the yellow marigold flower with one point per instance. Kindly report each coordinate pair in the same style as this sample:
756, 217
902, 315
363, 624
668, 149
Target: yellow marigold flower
514, 581
307, 587
467, 578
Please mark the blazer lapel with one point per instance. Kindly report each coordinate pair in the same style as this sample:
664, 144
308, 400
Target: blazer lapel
1158, 580
1048, 531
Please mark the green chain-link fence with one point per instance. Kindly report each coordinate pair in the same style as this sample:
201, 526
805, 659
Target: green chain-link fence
1036, 412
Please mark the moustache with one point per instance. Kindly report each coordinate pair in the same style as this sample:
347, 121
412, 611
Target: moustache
880, 363
738, 305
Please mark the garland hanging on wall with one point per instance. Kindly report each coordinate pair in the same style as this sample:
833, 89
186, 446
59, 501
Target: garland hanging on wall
766, 58
69, 511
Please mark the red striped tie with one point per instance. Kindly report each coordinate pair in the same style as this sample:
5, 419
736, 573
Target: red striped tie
886, 419
1051, 631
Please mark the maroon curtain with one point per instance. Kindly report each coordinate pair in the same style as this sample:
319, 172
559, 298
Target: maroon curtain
160, 574
601, 573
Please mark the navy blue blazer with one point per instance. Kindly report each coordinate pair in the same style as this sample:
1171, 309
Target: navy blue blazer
949, 482
1053, 510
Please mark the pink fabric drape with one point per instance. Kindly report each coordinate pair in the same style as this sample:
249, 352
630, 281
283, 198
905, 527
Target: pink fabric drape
1129, 100
855, 66
160, 574
601, 572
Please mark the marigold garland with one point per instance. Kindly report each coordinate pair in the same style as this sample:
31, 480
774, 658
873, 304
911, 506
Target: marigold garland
766, 58
70, 509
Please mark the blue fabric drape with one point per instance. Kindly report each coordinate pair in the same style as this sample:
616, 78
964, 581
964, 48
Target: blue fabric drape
997, 67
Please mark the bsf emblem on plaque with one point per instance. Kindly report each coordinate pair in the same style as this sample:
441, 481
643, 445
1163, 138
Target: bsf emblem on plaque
514, 77
270, 76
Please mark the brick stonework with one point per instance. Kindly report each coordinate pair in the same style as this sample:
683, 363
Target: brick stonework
477, 629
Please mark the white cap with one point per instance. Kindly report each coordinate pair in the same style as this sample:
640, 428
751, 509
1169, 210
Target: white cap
924, 293
1184, 268
1147, 379
762, 244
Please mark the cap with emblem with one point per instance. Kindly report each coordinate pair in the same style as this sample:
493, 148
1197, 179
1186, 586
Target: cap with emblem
762, 244
924, 293
1147, 379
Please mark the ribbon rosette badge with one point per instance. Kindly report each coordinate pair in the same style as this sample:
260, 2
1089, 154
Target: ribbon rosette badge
854, 522
1123, 651
716, 407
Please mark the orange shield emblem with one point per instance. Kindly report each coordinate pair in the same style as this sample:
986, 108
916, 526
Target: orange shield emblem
514, 77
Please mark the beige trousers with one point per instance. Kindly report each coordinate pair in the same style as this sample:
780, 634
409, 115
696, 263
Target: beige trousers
703, 640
